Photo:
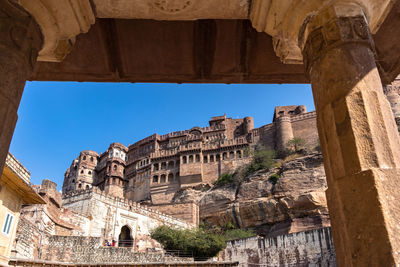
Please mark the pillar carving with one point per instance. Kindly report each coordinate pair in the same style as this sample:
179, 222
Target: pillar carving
60, 21
359, 138
283, 20
20, 42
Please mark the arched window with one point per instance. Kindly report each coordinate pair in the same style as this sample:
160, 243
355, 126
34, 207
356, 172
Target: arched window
155, 166
170, 177
125, 238
81, 171
73, 181
205, 159
224, 156
170, 165
89, 172
197, 158
91, 159
80, 186
231, 155
163, 178
87, 187
115, 167
163, 166
191, 159
184, 160
211, 158
217, 157
155, 179
239, 154
84, 157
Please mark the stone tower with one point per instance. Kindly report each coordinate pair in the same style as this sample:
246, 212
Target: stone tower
81, 173
248, 124
282, 120
111, 170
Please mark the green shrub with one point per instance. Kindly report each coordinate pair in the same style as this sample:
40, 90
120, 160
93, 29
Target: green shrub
238, 234
296, 144
262, 160
224, 179
200, 242
274, 178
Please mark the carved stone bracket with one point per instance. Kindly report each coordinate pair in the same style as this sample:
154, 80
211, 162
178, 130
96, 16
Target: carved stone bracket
336, 32
60, 21
284, 20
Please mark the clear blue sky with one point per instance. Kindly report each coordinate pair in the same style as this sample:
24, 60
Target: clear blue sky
59, 119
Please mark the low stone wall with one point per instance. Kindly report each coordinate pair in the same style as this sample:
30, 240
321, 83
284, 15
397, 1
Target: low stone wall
27, 241
78, 249
38, 263
310, 248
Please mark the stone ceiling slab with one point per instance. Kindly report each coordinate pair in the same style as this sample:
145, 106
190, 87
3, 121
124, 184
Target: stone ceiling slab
172, 9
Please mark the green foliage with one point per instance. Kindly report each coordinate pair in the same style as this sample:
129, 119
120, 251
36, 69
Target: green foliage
224, 179
274, 178
238, 234
296, 144
263, 159
200, 242
229, 226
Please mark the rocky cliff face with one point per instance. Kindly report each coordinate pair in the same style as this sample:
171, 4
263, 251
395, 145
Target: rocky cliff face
295, 203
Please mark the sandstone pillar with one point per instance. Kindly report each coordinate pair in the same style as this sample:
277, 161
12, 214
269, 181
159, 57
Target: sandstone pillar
20, 42
359, 138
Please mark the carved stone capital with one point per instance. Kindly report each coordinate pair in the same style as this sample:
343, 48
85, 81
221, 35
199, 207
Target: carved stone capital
284, 19
334, 32
60, 21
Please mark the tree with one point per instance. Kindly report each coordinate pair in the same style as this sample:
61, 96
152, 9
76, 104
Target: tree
200, 242
296, 144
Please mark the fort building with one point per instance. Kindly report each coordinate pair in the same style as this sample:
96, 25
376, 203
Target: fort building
156, 167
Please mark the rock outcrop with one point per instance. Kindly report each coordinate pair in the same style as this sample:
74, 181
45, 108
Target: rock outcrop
296, 202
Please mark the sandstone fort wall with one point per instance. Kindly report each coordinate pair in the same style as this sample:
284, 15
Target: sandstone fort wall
310, 248
156, 167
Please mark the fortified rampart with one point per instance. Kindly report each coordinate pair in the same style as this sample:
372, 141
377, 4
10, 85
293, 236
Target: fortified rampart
155, 168
309, 248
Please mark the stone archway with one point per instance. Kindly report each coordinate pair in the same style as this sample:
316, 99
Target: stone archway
125, 237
